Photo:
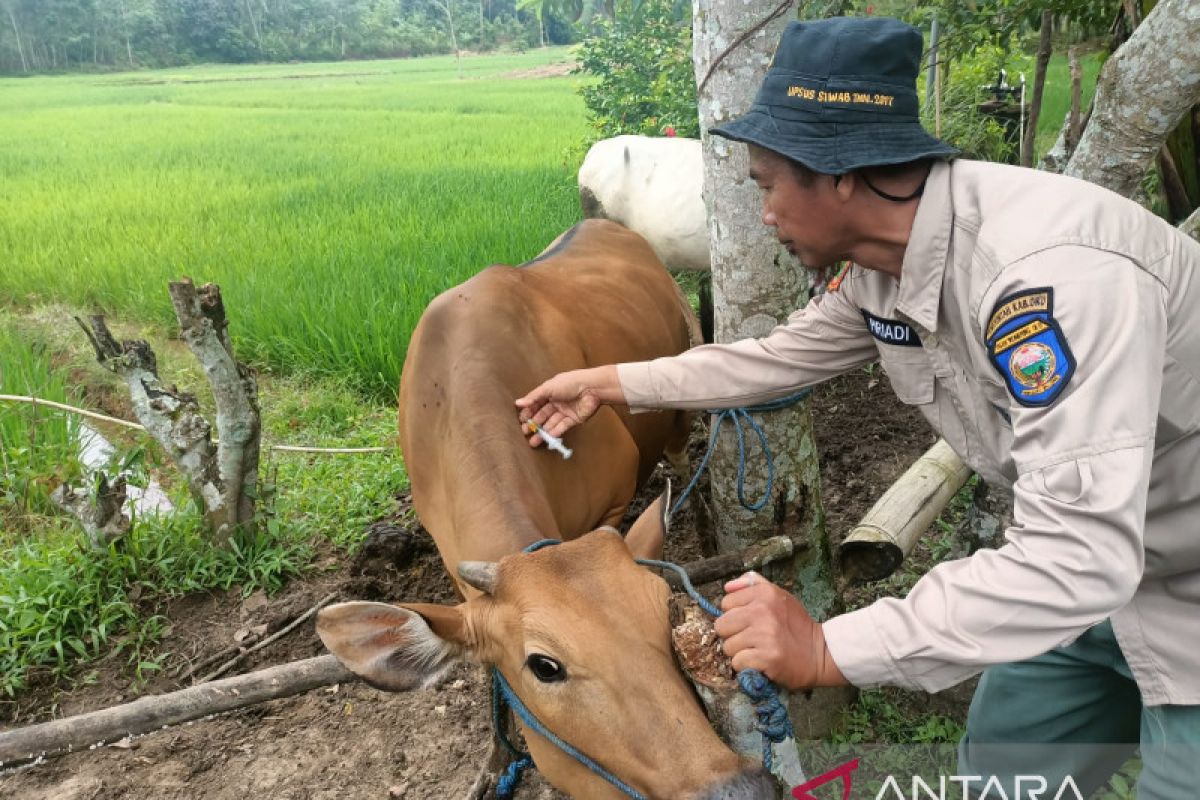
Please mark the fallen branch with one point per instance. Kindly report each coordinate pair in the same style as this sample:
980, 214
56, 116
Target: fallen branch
228, 665
151, 713
727, 565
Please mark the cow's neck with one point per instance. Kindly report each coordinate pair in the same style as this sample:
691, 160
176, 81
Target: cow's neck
499, 479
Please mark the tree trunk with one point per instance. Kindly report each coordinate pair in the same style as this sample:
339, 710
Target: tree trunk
254, 26
1142, 93
756, 285
17, 33
222, 477
1039, 84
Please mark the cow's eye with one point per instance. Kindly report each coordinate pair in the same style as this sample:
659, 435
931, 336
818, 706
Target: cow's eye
545, 669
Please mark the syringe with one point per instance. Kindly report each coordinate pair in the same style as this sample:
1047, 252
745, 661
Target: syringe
553, 442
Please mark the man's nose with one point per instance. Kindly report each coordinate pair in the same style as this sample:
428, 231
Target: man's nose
768, 216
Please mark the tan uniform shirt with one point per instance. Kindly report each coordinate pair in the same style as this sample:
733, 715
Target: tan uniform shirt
1049, 330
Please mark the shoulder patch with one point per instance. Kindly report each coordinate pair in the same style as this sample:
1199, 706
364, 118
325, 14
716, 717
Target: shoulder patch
1028, 348
891, 331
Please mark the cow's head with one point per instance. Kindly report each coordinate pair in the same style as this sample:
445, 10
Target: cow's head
580, 631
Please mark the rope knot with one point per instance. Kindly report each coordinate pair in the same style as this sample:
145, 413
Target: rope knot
506, 784
773, 721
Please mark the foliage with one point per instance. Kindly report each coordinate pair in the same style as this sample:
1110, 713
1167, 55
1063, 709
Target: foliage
877, 716
643, 63
36, 444
967, 26
330, 207
61, 601
977, 135
56, 35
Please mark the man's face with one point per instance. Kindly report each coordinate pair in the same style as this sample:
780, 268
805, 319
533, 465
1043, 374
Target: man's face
806, 217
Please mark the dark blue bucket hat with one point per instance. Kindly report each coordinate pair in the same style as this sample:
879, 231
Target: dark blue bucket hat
841, 94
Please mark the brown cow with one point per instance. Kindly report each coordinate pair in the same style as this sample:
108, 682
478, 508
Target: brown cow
579, 630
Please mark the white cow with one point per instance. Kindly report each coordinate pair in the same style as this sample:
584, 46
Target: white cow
652, 185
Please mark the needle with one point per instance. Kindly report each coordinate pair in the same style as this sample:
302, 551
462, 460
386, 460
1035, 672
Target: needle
553, 442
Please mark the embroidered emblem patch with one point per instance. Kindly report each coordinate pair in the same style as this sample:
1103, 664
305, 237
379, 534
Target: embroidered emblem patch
891, 331
1028, 348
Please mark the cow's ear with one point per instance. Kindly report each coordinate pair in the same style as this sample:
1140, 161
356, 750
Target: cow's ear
394, 648
645, 538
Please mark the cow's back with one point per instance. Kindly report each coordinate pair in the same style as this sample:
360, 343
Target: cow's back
598, 295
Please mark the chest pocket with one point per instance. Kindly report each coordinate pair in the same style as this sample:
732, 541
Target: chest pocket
910, 372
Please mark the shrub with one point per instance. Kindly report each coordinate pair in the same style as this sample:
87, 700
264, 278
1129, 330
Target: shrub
643, 62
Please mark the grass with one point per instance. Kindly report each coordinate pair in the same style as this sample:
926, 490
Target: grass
330, 201
36, 446
62, 602
1056, 97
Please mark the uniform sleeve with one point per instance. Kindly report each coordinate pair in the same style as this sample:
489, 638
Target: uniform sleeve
1083, 381
824, 339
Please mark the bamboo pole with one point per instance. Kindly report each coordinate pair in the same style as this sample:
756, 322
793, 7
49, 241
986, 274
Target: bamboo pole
887, 534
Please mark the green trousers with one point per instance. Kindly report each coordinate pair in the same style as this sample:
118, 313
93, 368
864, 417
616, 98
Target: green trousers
1076, 711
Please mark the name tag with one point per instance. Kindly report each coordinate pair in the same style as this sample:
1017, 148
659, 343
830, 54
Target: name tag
891, 331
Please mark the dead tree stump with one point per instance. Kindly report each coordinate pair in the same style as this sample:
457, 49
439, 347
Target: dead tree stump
221, 475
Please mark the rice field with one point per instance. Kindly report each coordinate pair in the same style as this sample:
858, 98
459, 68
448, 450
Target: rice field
331, 202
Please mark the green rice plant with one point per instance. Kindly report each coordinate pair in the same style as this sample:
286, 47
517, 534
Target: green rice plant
37, 444
331, 202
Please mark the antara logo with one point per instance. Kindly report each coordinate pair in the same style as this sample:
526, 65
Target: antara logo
946, 787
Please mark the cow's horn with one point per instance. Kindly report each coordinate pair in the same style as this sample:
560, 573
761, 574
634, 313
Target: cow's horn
479, 574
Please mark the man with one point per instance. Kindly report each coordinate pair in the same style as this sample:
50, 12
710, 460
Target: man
1050, 331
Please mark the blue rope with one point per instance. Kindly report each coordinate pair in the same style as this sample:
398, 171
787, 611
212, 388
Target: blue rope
736, 415
773, 721
506, 784
537, 727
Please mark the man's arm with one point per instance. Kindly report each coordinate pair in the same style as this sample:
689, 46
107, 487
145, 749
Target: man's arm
825, 338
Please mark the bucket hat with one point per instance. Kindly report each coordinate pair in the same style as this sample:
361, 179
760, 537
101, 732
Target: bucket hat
840, 94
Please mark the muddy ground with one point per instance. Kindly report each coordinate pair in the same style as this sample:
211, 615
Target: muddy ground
350, 741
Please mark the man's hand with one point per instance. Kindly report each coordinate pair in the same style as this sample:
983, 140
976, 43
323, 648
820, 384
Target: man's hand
569, 399
766, 628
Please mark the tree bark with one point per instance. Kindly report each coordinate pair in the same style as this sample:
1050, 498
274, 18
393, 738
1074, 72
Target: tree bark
1039, 85
1191, 225
101, 515
222, 478
1142, 93
202, 321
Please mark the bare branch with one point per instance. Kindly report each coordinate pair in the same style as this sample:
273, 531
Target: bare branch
100, 515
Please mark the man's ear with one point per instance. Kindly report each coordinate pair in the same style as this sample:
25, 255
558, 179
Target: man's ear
394, 648
645, 537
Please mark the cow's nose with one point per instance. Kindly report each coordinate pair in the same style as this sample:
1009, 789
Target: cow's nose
750, 784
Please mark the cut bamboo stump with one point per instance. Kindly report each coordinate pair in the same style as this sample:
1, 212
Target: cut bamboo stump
887, 534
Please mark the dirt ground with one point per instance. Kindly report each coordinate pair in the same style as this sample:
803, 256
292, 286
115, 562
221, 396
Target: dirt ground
351, 741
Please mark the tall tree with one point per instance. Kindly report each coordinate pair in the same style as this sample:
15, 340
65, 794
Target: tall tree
756, 285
